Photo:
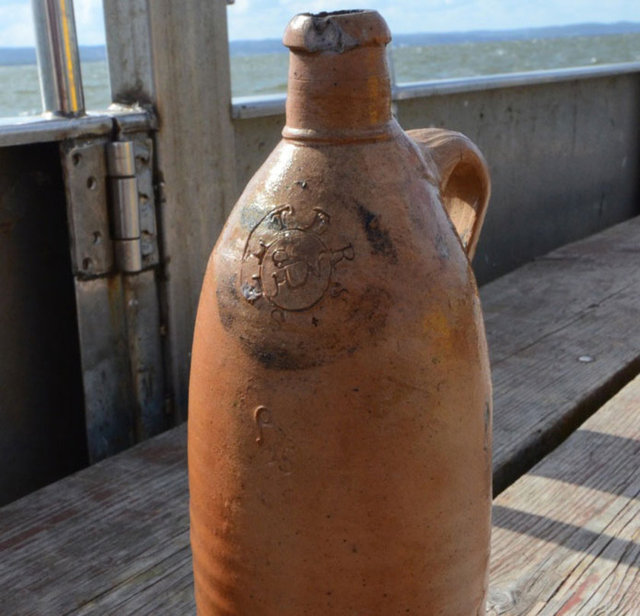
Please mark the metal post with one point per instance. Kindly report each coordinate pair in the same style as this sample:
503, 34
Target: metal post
195, 157
58, 57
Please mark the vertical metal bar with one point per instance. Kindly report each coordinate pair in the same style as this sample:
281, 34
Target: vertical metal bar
129, 49
195, 143
195, 157
58, 57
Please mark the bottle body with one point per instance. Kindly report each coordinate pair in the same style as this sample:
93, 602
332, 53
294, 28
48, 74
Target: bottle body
340, 399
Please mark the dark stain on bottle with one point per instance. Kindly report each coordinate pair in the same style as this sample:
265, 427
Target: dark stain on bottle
378, 238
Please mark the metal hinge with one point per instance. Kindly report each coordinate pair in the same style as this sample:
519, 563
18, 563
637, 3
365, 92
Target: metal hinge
125, 213
111, 205
132, 204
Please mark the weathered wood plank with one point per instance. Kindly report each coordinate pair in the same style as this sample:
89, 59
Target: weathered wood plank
566, 536
537, 299
68, 544
563, 338
113, 539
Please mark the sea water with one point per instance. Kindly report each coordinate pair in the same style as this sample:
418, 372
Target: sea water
266, 73
20, 89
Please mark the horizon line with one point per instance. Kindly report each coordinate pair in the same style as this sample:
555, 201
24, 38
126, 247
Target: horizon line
402, 34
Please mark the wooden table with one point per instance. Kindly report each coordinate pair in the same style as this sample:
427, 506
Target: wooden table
566, 536
564, 335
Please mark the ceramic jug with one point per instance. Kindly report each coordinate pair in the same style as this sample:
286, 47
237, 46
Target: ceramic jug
340, 399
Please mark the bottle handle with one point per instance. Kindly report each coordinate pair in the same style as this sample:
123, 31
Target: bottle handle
465, 185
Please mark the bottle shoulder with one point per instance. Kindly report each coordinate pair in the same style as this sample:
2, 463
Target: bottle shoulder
327, 252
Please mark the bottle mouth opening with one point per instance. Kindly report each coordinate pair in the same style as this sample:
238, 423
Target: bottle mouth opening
336, 31
323, 14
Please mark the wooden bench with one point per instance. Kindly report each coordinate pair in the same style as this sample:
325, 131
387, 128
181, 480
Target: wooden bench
564, 338
566, 536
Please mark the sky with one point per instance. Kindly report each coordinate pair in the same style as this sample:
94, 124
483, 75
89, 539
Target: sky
259, 19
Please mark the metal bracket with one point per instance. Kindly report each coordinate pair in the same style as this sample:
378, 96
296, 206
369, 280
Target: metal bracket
143, 149
111, 205
85, 180
114, 247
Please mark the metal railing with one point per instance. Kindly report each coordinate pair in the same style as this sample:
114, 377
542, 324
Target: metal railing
58, 57
64, 115
274, 104
62, 92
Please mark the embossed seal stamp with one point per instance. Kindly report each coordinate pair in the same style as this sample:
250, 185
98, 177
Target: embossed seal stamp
287, 262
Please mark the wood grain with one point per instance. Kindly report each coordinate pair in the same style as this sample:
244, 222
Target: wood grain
566, 536
113, 539
579, 302
95, 538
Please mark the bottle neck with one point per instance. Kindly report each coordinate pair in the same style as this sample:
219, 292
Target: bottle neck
339, 97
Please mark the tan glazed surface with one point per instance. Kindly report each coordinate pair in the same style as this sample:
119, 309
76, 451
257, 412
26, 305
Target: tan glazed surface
340, 400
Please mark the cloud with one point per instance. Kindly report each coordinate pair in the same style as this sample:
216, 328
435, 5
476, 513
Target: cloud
258, 19
268, 18
89, 22
16, 24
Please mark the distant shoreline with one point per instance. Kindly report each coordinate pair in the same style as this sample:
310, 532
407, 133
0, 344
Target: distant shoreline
17, 56
253, 47
26, 56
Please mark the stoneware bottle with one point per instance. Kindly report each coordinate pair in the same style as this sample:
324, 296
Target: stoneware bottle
340, 399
